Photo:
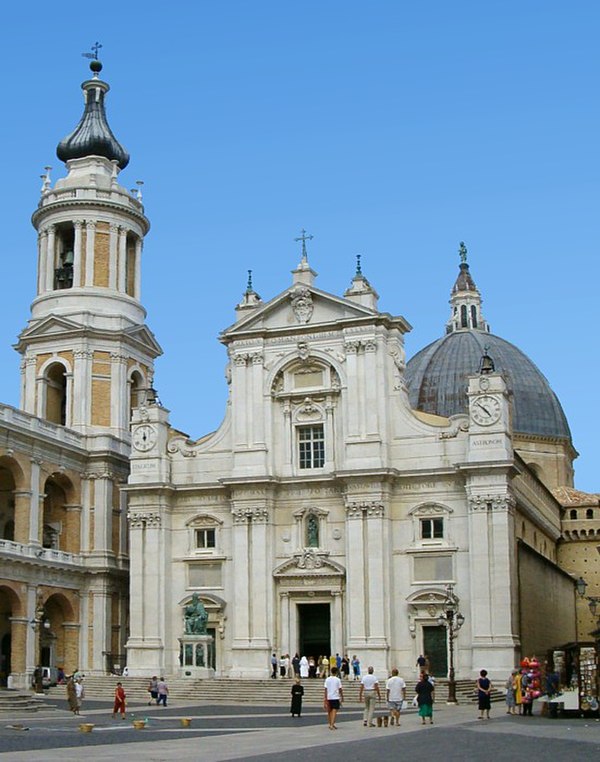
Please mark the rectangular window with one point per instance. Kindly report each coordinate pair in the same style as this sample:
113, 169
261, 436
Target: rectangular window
433, 568
432, 529
205, 538
311, 446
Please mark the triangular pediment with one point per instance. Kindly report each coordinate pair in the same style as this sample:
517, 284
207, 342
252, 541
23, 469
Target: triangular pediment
299, 306
50, 326
141, 334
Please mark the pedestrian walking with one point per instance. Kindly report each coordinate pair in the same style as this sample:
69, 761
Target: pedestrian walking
333, 697
296, 665
511, 701
274, 666
297, 693
425, 698
119, 705
484, 689
395, 689
356, 667
163, 692
369, 689
153, 689
79, 695
71, 694
421, 662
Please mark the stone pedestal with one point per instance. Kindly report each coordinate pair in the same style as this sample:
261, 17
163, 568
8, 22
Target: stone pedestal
197, 656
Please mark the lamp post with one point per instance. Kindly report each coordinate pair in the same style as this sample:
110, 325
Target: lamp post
452, 620
38, 623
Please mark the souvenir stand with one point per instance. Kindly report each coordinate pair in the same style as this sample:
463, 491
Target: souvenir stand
577, 665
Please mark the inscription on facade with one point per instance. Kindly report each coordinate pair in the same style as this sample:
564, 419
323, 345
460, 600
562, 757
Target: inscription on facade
486, 442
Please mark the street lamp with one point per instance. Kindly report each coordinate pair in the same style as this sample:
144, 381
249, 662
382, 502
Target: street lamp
452, 620
40, 621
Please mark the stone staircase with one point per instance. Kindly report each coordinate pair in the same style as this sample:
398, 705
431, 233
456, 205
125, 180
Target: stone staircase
262, 692
13, 702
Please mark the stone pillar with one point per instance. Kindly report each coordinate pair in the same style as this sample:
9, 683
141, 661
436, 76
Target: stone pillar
103, 514
84, 632
355, 575
90, 242
42, 260
102, 629
77, 254
73, 528
492, 570
36, 504
285, 632
119, 390
370, 390
113, 256
82, 375
87, 486
338, 644
50, 263
18, 640
377, 578
146, 645
241, 579
122, 262
261, 580
353, 403
22, 511
29, 387
72, 658
137, 287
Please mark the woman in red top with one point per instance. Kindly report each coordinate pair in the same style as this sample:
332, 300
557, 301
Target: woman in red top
119, 701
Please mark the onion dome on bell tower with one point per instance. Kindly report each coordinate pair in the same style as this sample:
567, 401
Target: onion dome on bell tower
86, 349
93, 136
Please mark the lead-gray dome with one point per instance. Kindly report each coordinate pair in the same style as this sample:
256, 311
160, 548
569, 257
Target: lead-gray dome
437, 376
437, 381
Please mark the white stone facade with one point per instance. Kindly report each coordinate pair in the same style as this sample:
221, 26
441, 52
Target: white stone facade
318, 430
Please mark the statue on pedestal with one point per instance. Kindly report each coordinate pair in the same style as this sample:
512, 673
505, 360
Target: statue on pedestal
195, 617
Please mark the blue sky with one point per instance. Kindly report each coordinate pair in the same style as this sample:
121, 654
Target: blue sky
393, 129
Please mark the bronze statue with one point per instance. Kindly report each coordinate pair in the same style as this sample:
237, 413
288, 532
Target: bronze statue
196, 617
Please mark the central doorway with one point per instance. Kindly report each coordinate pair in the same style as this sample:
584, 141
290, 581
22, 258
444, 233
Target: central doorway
314, 631
435, 649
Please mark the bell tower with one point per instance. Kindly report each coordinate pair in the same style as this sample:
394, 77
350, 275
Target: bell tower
87, 354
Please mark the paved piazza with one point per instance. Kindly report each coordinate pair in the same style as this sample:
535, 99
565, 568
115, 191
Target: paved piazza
269, 733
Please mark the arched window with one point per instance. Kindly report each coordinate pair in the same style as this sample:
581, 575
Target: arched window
589, 514
56, 394
136, 385
463, 316
473, 316
572, 514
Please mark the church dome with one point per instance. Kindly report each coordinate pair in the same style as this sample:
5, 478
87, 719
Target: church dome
437, 376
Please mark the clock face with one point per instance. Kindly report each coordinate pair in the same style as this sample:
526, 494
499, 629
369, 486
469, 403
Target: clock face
144, 438
485, 410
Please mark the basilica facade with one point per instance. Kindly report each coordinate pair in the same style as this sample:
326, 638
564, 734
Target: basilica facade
347, 502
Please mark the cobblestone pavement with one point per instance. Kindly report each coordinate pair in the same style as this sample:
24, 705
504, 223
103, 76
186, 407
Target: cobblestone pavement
257, 733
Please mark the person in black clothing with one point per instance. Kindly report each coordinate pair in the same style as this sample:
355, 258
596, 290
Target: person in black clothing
297, 693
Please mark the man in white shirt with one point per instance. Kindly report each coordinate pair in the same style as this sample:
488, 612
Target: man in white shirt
369, 688
333, 697
396, 694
